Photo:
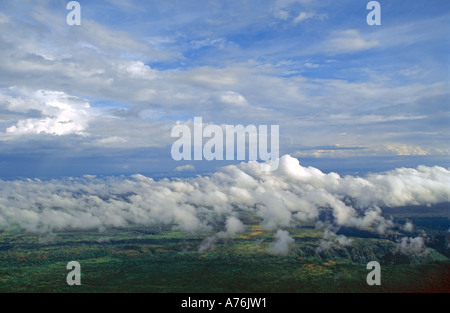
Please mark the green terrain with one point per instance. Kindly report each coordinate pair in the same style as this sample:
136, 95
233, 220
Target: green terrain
146, 259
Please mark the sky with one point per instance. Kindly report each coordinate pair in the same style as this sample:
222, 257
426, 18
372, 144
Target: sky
87, 113
101, 98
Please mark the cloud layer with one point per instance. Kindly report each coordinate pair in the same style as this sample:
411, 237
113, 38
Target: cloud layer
291, 195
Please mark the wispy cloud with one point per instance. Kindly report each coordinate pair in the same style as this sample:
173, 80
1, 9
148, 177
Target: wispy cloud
131, 71
303, 16
348, 41
182, 168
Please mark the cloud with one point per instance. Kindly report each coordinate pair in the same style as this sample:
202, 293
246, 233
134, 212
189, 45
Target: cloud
331, 240
153, 73
409, 245
219, 43
234, 226
348, 41
281, 14
137, 69
406, 150
183, 168
392, 149
233, 98
408, 227
60, 114
282, 243
208, 244
291, 195
281, 8
303, 16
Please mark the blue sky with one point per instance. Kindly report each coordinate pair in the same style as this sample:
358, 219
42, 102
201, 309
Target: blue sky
102, 98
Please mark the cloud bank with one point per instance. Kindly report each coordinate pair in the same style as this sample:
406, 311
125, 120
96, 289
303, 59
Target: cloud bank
292, 195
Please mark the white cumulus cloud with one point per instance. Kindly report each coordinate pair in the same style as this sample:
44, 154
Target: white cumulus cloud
291, 195
282, 244
60, 114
